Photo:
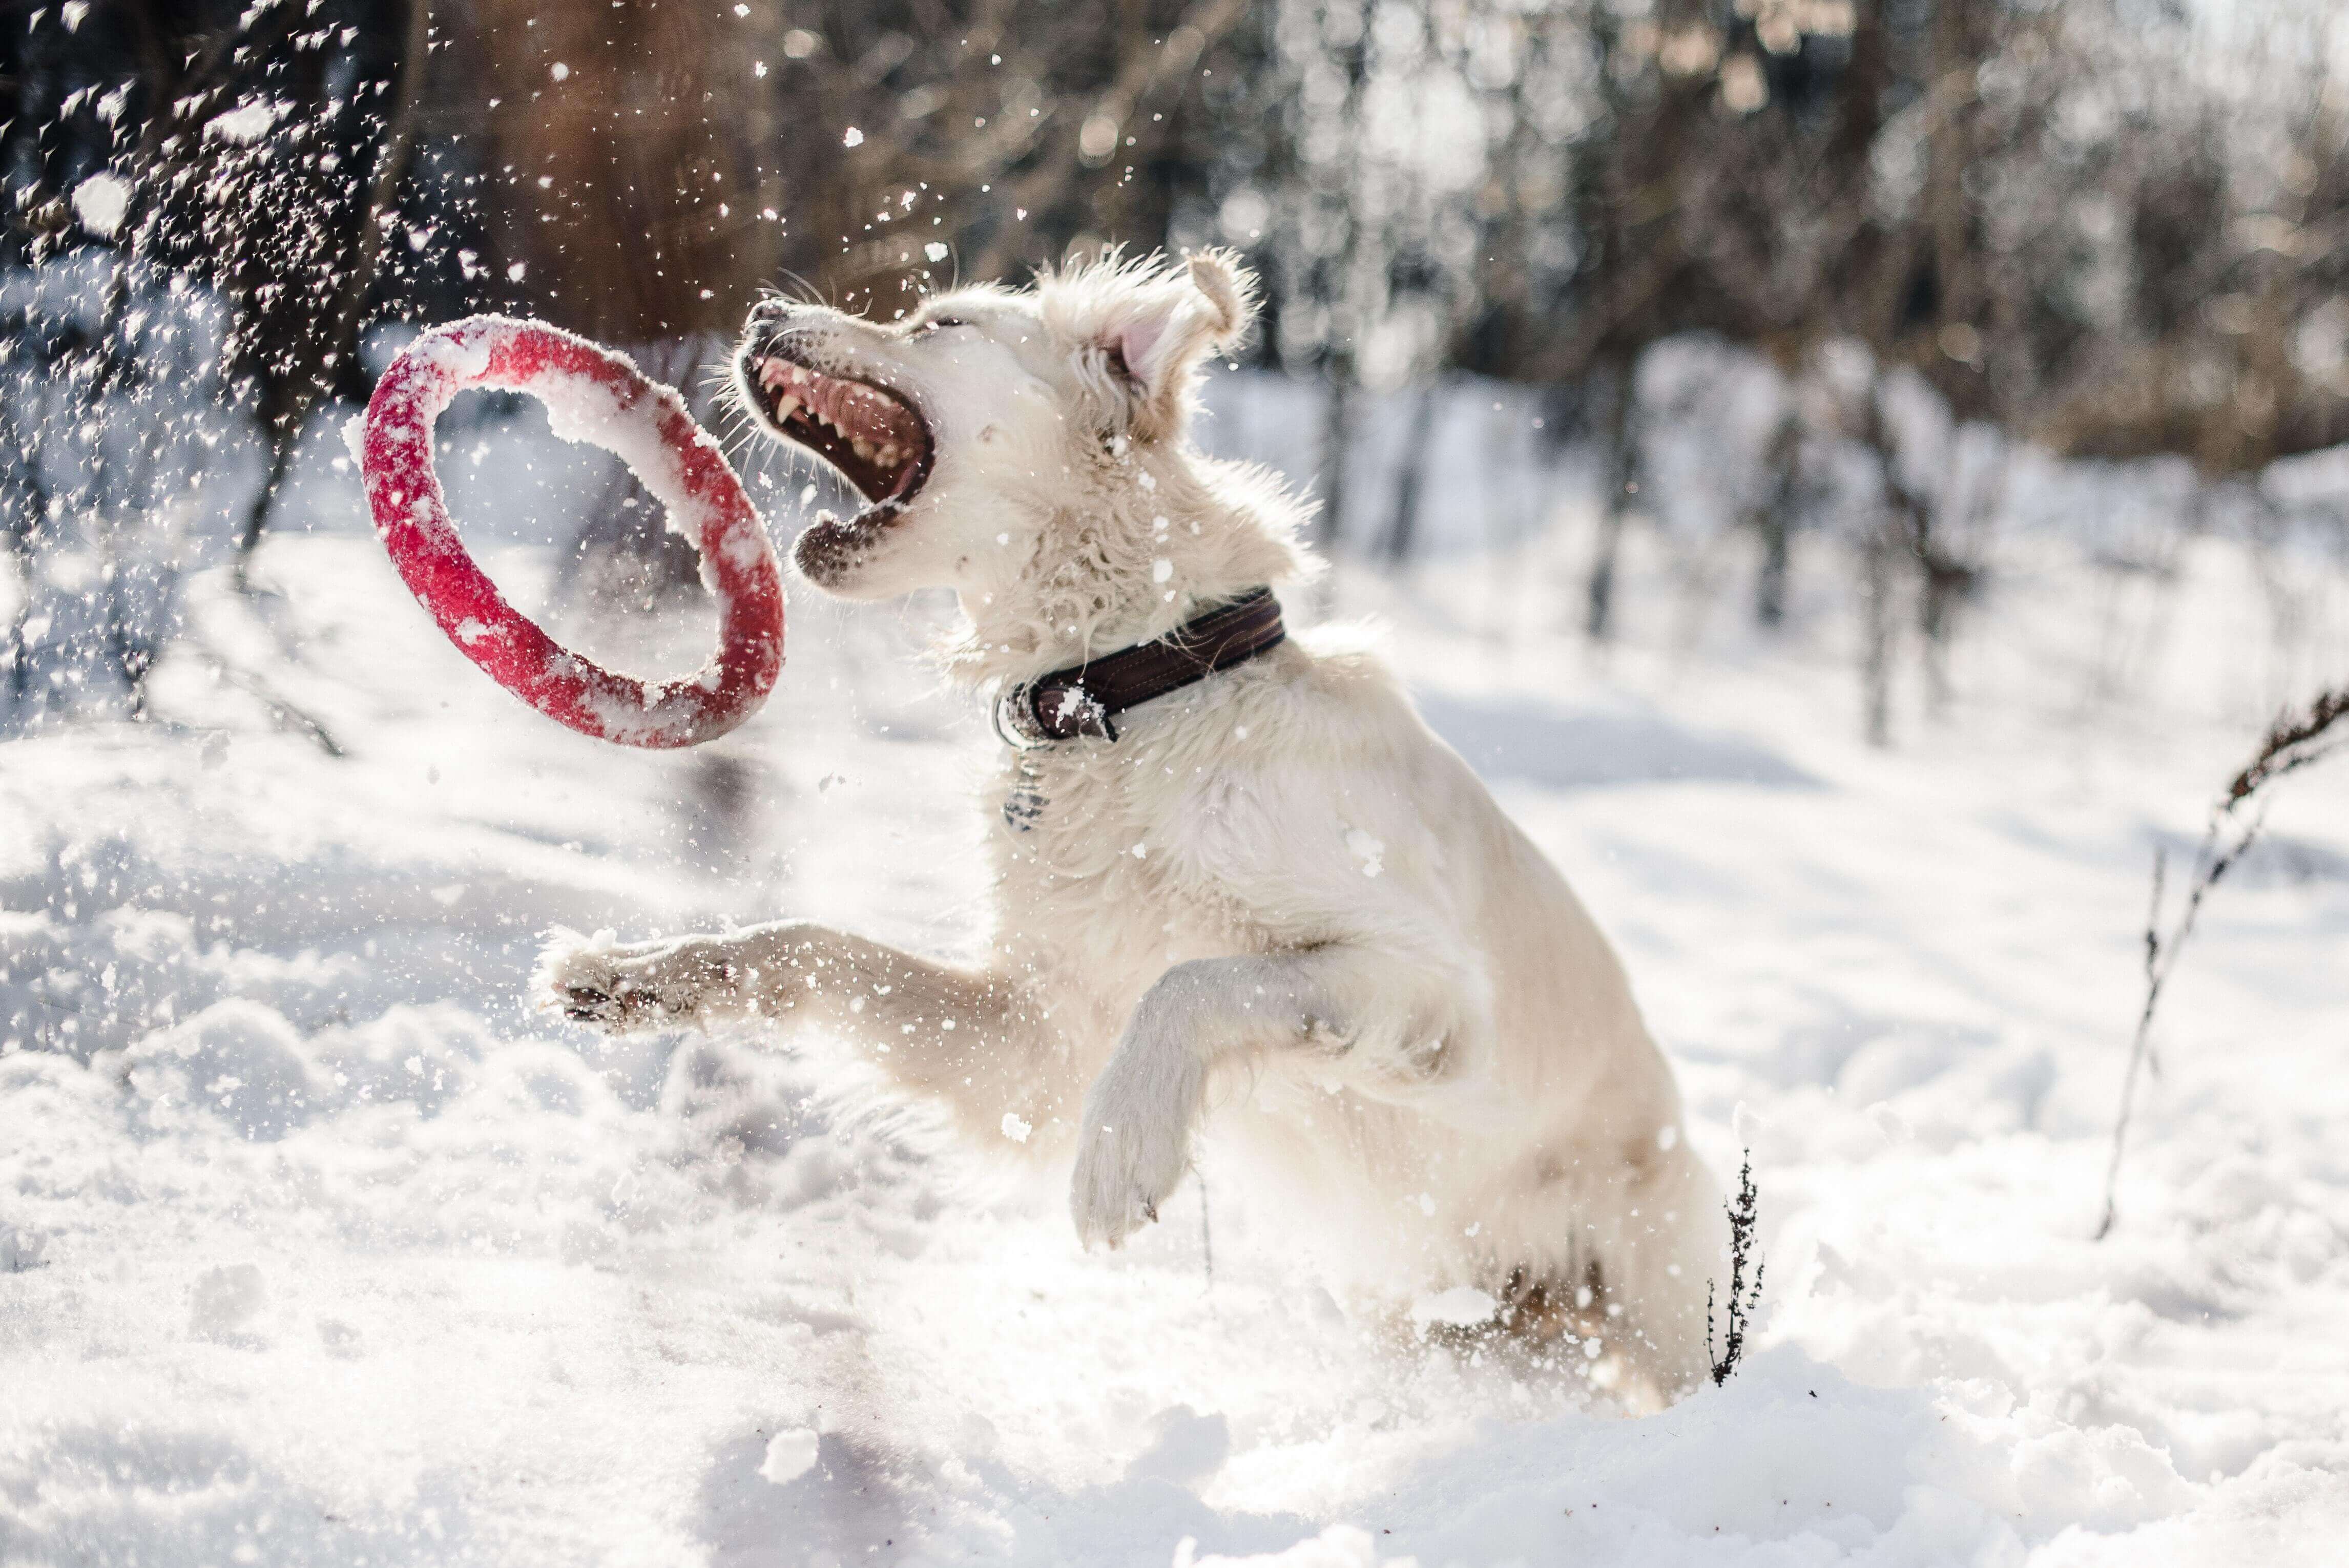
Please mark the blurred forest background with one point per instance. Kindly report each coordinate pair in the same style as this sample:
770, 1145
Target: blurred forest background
1763, 282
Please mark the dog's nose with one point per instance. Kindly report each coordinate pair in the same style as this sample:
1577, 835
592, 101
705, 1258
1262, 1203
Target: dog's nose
767, 321
771, 312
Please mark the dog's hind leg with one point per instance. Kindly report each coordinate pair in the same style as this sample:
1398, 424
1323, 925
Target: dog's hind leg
1616, 1258
967, 1038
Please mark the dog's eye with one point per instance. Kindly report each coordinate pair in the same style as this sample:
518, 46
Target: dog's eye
940, 323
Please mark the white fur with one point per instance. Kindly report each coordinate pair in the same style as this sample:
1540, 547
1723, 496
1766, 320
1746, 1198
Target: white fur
1277, 902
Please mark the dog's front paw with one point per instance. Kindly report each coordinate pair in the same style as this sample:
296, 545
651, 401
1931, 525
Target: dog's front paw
1125, 1170
624, 987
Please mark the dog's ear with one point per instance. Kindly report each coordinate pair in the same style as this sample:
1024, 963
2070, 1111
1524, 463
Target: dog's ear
1156, 343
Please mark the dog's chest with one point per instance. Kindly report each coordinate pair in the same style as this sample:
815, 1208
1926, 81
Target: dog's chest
1095, 864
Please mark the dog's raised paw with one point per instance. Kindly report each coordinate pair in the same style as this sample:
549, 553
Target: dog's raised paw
594, 981
1122, 1175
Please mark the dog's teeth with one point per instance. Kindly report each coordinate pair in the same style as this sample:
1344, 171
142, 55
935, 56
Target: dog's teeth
862, 447
785, 410
772, 372
889, 456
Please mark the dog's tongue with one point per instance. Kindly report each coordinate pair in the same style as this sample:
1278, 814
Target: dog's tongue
879, 418
886, 416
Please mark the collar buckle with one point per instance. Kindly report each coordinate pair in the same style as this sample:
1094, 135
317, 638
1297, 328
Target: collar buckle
1016, 724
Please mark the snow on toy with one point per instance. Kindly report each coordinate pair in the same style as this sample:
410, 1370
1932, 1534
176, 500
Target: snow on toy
595, 395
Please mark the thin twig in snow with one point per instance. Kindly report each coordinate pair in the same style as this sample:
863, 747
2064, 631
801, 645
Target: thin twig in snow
2292, 742
1744, 1298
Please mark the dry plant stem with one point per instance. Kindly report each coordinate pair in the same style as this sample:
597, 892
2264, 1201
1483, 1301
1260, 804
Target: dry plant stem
1744, 1298
2292, 742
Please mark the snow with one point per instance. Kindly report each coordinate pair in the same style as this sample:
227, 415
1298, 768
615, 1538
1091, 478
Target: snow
1462, 1306
100, 203
18, 1250
791, 1454
249, 121
318, 1246
224, 1300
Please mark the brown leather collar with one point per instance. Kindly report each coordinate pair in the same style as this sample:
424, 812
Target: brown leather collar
1084, 699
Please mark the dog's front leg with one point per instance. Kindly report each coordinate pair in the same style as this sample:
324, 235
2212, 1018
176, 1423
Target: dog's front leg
1134, 1142
966, 1035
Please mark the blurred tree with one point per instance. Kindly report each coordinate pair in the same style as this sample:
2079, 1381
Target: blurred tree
193, 145
913, 140
650, 168
2228, 217
623, 141
2117, 230
269, 149
613, 153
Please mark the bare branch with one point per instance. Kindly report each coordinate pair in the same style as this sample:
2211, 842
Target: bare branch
2291, 743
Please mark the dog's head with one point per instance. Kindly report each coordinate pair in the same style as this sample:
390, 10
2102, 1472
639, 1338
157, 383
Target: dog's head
960, 425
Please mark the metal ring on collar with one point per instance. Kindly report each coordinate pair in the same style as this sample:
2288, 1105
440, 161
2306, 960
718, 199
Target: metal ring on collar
1009, 709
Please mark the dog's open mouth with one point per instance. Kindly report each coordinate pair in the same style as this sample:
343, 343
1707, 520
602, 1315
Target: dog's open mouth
872, 434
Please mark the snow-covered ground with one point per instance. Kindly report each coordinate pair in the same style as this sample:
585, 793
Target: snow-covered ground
317, 1246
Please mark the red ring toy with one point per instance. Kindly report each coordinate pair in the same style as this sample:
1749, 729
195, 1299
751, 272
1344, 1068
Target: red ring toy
595, 396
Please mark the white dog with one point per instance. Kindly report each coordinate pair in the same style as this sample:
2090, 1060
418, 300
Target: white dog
1273, 892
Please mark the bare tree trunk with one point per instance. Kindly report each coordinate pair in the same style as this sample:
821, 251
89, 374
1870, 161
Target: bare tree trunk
1622, 475
1878, 559
1411, 479
1943, 586
28, 501
1908, 530
1776, 521
1337, 444
1940, 579
1887, 541
284, 435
